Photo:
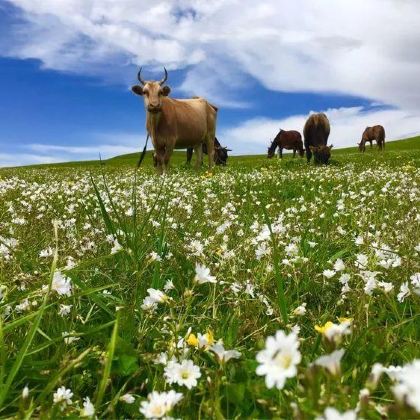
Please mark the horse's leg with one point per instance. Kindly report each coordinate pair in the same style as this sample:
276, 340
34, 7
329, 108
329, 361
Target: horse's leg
281, 152
294, 153
308, 154
189, 155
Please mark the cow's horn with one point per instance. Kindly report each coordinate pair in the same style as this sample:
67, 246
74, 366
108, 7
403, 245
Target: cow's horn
139, 77
165, 78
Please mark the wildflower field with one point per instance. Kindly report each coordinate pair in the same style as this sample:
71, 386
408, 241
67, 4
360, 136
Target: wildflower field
265, 289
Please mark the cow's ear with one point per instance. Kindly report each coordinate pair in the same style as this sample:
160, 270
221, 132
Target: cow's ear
137, 89
331, 147
166, 90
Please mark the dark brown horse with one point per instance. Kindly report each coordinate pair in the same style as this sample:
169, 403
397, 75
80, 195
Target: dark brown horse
373, 133
289, 140
316, 133
220, 153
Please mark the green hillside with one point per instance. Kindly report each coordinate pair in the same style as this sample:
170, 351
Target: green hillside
410, 145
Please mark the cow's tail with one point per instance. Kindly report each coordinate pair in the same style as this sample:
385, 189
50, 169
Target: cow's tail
143, 153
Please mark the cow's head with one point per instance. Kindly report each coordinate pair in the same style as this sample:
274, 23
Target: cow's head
322, 154
361, 146
152, 91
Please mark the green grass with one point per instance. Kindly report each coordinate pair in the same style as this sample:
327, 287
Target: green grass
266, 229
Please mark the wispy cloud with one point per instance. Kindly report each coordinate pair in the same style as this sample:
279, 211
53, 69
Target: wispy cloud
105, 150
19, 159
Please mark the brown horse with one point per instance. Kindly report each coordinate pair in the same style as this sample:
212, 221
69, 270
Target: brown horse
220, 153
373, 133
316, 133
289, 140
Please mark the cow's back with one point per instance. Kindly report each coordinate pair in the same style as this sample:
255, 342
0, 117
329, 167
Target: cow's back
189, 120
316, 130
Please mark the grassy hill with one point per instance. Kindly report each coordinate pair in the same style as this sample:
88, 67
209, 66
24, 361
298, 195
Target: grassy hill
410, 145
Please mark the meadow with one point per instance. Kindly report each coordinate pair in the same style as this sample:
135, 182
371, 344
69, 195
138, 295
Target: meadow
264, 289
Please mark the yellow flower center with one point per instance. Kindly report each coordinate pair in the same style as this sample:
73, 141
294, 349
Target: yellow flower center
283, 360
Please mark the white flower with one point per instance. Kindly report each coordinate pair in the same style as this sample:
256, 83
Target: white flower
312, 244
61, 284
63, 395
158, 404
46, 252
300, 310
404, 292
68, 338
386, 286
25, 392
88, 408
127, 398
202, 275
23, 306
331, 362
169, 285
154, 256
329, 273
291, 250
407, 388
339, 265
376, 373
184, 373
161, 359
222, 354
361, 261
359, 240
155, 296
331, 413
279, 359
64, 310
415, 282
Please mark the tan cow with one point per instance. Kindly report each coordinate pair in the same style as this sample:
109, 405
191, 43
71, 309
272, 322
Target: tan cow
176, 123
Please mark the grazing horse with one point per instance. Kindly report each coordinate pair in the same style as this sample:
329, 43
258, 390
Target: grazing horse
289, 140
373, 133
316, 133
176, 123
220, 153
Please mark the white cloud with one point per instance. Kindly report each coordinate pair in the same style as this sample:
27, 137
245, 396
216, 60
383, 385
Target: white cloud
347, 125
366, 48
87, 152
18, 159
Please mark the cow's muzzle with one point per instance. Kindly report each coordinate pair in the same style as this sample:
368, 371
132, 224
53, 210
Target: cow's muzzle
154, 109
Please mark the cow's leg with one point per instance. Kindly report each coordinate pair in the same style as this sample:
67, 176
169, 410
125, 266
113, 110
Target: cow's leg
198, 150
210, 149
167, 155
159, 159
281, 153
189, 155
294, 153
308, 154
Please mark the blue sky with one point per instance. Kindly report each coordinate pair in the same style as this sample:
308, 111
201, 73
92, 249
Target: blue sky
65, 80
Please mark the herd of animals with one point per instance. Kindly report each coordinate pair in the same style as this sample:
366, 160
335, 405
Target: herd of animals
191, 124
